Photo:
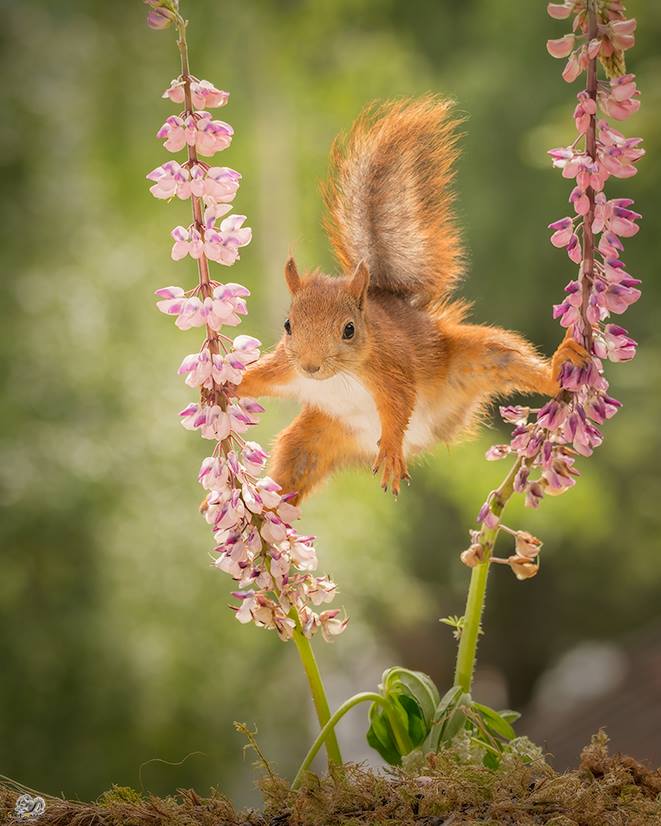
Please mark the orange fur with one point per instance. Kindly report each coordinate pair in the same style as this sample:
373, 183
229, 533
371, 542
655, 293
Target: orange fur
412, 371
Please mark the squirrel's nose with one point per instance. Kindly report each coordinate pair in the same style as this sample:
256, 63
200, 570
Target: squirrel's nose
311, 368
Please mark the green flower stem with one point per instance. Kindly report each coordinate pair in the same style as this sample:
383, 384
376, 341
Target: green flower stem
317, 689
401, 736
463, 675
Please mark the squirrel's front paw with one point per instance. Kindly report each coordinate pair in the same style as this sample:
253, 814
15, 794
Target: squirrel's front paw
393, 468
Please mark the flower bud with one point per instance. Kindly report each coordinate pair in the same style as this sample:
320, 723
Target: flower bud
472, 556
522, 567
159, 18
527, 545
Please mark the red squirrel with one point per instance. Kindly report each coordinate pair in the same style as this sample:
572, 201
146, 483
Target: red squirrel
382, 360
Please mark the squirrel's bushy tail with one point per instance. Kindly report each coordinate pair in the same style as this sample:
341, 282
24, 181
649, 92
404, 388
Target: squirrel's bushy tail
389, 198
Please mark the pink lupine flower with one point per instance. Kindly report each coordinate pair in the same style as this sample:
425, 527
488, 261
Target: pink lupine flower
273, 529
169, 177
557, 478
487, 517
191, 314
197, 368
221, 183
580, 200
246, 348
622, 100
188, 415
159, 17
248, 602
187, 241
222, 245
516, 414
173, 300
560, 11
617, 298
269, 492
287, 512
322, 591
584, 110
198, 130
332, 624
189, 311
552, 415
218, 184
212, 135
216, 424
620, 33
615, 344
254, 458
203, 93
575, 65
225, 306
496, 452
561, 47
521, 479
564, 230
534, 494
214, 474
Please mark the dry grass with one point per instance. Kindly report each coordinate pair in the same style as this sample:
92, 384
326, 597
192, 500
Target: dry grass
604, 790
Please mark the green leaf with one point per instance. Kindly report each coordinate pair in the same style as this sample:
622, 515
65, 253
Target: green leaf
389, 754
420, 687
444, 708
495, 721
490, 760
456, 720
415, 722
509, 715
380, 736
448, 700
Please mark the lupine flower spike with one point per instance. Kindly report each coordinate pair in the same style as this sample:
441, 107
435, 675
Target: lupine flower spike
546, 442
250, 517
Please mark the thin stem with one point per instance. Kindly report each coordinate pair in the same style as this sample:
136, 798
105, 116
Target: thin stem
319, 697
587, 269
196, 202
463, 675
403, 741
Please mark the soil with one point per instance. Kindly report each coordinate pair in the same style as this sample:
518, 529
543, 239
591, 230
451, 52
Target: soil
605, 790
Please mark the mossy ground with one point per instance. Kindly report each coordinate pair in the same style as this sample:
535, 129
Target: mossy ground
604, 790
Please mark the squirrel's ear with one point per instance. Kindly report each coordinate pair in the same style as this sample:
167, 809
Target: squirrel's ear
359, 283
291, 276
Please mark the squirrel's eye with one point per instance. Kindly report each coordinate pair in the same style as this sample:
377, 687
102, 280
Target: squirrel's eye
348, 331
287, 327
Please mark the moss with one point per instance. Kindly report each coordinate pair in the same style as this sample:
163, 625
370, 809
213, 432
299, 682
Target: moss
605, 790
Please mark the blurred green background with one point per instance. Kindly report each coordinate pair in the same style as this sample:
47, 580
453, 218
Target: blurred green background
116, 644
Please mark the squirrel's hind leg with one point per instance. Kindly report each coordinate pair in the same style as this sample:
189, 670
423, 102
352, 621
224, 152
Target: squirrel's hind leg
495, 361
305, 453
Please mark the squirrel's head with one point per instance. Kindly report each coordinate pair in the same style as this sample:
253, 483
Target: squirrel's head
325, 331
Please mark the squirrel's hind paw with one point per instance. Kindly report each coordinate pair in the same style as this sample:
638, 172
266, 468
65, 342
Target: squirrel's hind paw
568, 350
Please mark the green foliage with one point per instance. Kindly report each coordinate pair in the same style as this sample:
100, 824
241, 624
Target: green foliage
432, 724
405, 722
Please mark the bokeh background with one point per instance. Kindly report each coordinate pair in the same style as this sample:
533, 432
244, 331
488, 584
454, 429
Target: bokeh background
117, 650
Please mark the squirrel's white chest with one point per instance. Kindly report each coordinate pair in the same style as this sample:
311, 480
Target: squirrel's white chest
345, 397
